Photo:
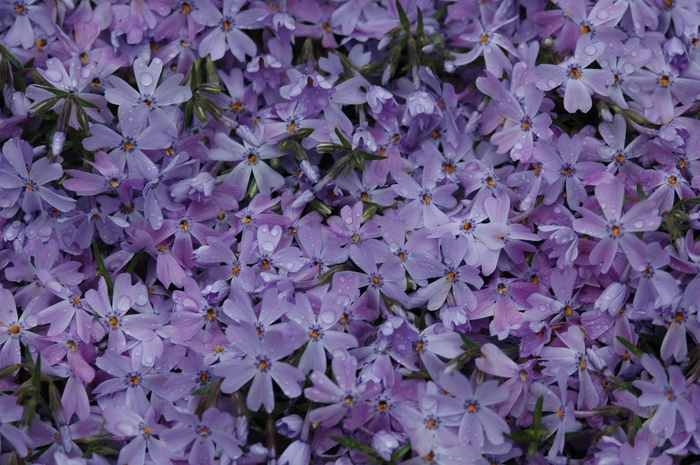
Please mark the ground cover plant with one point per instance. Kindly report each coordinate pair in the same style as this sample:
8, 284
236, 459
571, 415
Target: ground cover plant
353, 232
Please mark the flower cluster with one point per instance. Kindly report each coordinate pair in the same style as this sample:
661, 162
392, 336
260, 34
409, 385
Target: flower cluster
358, 231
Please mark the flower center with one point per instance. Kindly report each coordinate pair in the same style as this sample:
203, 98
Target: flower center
185, 225
431, 423
672, 180
451, 276
615, 230
14, 329
574, 73
619, 158
567, 171
113, 321
364, 196
314, 333
490, 181
585, 29
252, 158
484, 38
501, 288
382, 405
665, 80
84, 58
185, 8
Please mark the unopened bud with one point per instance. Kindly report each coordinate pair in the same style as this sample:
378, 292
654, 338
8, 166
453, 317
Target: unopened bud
59, 139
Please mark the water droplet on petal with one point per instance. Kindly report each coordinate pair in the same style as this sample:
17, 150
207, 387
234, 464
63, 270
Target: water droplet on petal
146, 79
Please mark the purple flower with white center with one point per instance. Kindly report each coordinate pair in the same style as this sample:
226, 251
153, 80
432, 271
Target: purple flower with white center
479, 422
423, 207
580, 82
149, 94
453, 277
110, 178
668, 394
350, 228
349, 398
261, 364
124, 422
127, 147
226, 31
522, 123
665, 84
213, 432
222, 263
432, 425
624, 67
681, 318
656, 287
365, 190
25, 12
114, 315
250, 156
617, 230
321, 250
9, 413
388, 280
131, 381
311, 89
490, 44
563, 420
621, 155
265, 316
518, 377
23, 176
599, 23
569, 359
70, 310
318, 330
562, 306
40, 266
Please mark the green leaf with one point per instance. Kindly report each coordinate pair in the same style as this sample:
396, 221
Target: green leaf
36, 376
134, 260
420, 31
53, 90
405, 24
101, 267
204, 389
343, 140
470, 344
8, 370
537, 414
46, 105
371, 156
640, 192
85, 103
631, 347
400, 452
355, 444
83, 119
10, 57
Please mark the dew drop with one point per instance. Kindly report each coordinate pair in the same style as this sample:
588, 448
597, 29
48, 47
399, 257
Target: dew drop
268, 246
639, 224
602, 14
146, 79
590, 50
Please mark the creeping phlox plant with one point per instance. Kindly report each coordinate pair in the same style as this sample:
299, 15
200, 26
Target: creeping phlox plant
296, 232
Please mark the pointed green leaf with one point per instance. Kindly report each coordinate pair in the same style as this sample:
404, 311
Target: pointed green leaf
631, 347
405, 24
355, 444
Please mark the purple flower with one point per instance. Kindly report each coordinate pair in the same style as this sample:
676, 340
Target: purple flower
617, 230
9, 413
346, 396
261, 364
149, 94
214, 431
127, 148
478, 421
667, 393
250, 156
227, 28
23, 176
424, 200
581, 83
